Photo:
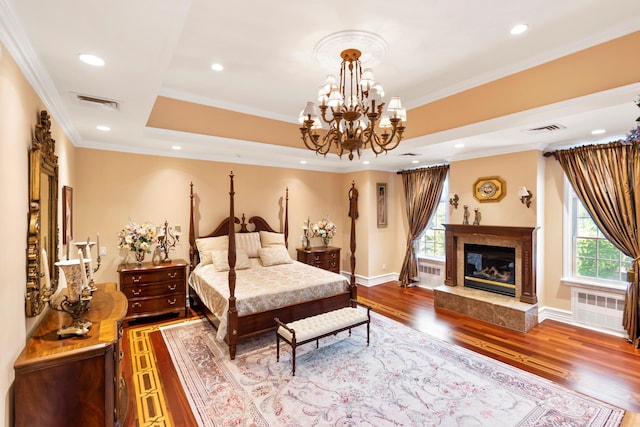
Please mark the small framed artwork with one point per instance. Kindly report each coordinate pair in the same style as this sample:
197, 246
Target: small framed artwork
67, 214
381, 197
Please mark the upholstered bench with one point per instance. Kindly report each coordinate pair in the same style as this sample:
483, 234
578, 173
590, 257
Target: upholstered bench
322, 325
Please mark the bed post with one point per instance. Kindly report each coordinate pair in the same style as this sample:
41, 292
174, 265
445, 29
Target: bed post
286, 218
232, 315
353, 213
192, 232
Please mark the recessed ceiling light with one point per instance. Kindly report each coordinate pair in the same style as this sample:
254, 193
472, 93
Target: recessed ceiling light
103, 128
217, 67
87, 58
598, 132
459, 145
303, 162
176, 147
519, 29
366, 162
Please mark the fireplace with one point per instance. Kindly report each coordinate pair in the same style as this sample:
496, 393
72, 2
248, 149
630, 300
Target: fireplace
490, 274
523, 239
490, 268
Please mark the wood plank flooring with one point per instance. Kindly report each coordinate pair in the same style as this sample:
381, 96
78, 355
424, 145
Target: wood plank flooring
593, 363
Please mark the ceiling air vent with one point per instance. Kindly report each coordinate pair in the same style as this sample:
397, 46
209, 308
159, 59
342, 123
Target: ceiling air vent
100, 103
409, 154
544, 129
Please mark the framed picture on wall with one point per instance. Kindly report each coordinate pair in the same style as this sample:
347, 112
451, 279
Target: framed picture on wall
67, 214
381, 197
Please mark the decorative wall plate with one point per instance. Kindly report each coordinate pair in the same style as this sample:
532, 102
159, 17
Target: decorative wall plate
489, 189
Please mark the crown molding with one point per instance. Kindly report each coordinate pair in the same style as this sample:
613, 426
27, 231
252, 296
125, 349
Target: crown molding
17, 43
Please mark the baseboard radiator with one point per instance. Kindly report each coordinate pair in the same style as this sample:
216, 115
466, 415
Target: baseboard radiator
430, 273
601, 310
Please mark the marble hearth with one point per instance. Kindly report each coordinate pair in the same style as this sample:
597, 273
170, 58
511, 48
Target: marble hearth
519, 313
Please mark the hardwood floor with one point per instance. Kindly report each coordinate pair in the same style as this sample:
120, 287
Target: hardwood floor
593, 363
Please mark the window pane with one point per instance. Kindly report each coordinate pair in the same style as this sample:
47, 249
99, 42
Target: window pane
586, 267
609, 270
593, 255
607, 250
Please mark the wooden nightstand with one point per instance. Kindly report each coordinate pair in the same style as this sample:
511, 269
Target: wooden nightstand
154, 289
327, 258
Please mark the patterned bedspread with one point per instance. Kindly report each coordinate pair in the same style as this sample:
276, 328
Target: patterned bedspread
263, 288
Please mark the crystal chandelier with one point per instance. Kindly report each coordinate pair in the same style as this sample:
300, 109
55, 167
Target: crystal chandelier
352, 107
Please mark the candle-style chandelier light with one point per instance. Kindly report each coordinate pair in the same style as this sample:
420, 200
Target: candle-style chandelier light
352, 107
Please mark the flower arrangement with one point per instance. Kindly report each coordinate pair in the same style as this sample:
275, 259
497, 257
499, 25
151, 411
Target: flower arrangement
137, 238
324, 229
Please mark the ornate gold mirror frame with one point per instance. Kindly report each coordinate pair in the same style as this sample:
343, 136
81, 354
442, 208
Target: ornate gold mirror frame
43, 216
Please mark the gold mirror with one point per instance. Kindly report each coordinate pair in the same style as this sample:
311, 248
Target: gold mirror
42, 237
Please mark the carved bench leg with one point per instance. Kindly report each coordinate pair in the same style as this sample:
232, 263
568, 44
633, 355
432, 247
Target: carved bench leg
293, 357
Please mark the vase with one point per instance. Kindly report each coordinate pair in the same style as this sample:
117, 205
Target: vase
75, 276
326, 241
140, 257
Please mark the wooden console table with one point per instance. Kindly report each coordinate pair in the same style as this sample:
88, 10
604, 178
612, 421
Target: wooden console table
77, 380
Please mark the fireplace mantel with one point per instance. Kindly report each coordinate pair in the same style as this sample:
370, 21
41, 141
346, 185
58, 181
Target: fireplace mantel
524, 236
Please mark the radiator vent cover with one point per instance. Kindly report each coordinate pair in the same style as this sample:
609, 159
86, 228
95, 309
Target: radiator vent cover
602, 310
430, 273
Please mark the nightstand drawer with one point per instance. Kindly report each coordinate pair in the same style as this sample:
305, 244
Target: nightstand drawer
152, 290
147, 277
167, 303
327, 258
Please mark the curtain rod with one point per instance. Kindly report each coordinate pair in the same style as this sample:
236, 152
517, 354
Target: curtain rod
420, 169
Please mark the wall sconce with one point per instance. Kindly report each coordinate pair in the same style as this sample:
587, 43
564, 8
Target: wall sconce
453, 200
525, 196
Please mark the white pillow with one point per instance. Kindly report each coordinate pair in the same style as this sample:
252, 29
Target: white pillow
207, 244
250, 242
220, 260
274, 255
268, 238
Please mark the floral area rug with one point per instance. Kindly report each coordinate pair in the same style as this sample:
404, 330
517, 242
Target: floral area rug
403, 378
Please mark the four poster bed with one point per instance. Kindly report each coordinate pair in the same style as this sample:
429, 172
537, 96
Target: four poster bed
242, 280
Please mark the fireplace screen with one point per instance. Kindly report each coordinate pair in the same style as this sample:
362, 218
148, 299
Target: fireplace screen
490, 268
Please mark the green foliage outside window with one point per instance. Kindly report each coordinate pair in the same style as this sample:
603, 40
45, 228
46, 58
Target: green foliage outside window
596, 257
431, 243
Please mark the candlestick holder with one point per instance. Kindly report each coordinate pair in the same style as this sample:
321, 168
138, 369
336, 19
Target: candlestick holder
85, 248
168, 238
77, 299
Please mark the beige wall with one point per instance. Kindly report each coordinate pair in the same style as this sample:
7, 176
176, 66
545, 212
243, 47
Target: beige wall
113, 187
19, 110
516, 169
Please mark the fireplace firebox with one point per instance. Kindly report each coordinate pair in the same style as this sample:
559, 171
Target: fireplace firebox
490, 268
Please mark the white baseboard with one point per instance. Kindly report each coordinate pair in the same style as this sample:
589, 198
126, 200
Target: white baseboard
373, 281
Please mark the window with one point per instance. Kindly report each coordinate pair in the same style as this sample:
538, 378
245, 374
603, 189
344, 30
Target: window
431, 242
592, 256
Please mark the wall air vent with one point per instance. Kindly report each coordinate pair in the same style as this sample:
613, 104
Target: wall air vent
544, 129
94, 102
